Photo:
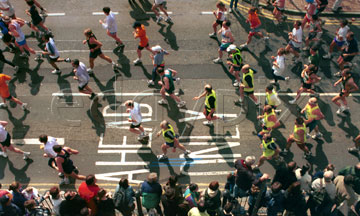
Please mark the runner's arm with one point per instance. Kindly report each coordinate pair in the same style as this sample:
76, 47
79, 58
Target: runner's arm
71, 151
94, 41
200, 96
337, 82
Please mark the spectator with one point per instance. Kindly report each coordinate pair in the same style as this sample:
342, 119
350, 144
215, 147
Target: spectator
229, 186
274, 199
151, 192
345, 194
212, 197
192, 195
105, 204
8, 207
128, 192
294, 200
226, 211
18, 198
34, 209
30, 193
244, 176
56, 198
72, 205
320, 174
285, 175
354, 171
322, 185
254, 195
172, 197
88, 191
303, 177
199, 210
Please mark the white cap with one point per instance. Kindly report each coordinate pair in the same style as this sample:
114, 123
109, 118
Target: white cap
329, 175
231, 47
156, 48
250, 160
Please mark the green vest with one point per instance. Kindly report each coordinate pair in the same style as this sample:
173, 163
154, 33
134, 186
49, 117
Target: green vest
171, 81
238, 52
296, 128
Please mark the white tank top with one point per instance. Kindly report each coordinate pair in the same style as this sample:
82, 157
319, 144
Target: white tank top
222, 15
225, 39
21, 36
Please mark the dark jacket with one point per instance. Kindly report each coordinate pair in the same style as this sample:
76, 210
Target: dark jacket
245, 176
151, 193
285, 176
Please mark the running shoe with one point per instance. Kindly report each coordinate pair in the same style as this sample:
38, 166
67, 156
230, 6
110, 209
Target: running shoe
68, 60
327, 56
292, 101
162, 102
3, 105
150, 83
212, 35
168, 19
158, 19
307, 155
37, 58
90, 71
26, 155
24, 106
16, 69
177, 81
56, 71
208, 123
187, 152
137, 61
242, 46
3, 154
317, 136
337, 74
217, 61
162, 157
181, 104
353, 150
236, 84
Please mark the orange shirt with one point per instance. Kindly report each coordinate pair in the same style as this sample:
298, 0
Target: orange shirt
4, 89
254, 20
141, 33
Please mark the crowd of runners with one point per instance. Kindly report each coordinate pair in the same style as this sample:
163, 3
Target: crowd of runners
325, 193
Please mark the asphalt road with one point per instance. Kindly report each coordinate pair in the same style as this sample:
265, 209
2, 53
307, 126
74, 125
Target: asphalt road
98, 130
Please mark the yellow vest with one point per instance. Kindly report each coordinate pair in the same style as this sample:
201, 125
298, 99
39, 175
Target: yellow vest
296, 128
309, 111
268, 98
267, 123
213, 94
266, 151
171, 129
251, 74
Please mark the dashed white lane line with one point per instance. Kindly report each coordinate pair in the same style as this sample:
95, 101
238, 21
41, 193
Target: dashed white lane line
102, 13
34, 141
209, 13
162, 13
55, 14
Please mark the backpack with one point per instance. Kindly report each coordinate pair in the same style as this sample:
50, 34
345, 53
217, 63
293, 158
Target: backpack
120, 199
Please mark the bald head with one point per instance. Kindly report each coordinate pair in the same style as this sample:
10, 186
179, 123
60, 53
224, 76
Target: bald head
164, 124
208, 88
313, 100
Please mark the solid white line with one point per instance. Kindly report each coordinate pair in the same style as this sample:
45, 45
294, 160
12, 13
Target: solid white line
162, 13
206, 143
127, 128
137, 163
102, 13
217, 148
127, 122
217, 156
124, 140
123, 163
56, 14
212, 173
34, 141
209, 13
109, 176
115, 151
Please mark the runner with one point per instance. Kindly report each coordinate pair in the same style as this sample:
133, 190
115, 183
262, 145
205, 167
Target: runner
272, 98
347, 86
65, 164
308, 78
315, 31
5, 93
210, 104
158, 61
167, 85
295, 42
313, 115
7, 38
270, 150
310, 11
140, 33
5, 141
42, 10
314, 58
299, 136
48, 144
255, 24
321, 5
160, 4
340, 38
226, 40
278, 67
269, 121
82, 77
95, 51
349, 52
37, 22
133, 108
278, 12
15, 30
247, 85
356, 148
171, 140
7, 9
236, 63
220, 18
52, 53
109, 23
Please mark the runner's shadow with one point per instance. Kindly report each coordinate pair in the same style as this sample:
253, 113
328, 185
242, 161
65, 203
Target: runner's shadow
326, 134
225, 69
20, 174
320, 158
3, 162
96, 117
175, 114
19, 130
169, 36
280, 139
326, 110
123, 61
108, 89
138, 13
225, 149
36, 79
151, 158
242, 21
65, 87
351, 131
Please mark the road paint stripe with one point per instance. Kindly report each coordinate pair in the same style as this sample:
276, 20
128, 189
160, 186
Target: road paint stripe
198, 154
129, 174
115, 151
142, 163
212, 173
102, 13
127, 122
56, 14
116, 114
206, 143
127, 128
209, 13
237, 136
122, 163
34, 141
162, 13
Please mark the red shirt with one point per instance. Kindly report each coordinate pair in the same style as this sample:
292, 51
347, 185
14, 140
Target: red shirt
254, 20
4, 89
87, 192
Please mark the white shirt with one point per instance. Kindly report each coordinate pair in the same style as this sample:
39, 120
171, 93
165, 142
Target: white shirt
50, 46
82, 73
5, 4
3, 133
57, 202
280, 60
48, 149
159, 2
297, 34
329, 187
135, 114
110, 23
222, 15
342, 33
305, 180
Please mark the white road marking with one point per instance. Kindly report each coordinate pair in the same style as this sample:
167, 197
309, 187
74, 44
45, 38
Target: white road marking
116, 151
200, 115
101, 94
162, 13
116, 114
206, 143
102, 13
209, 13
194, 162
34, 141
127, 128
212, 173
127, 122
217, 148
56, 14
129, 174
237, 136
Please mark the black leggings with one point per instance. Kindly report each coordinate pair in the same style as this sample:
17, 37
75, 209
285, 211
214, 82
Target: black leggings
276, 77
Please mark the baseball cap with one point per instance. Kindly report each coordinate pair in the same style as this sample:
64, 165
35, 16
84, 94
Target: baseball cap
156, 48
250, 160
231, 47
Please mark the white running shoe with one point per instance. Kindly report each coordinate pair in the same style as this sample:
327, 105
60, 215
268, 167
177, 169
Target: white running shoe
178, 81
208, 123
68, 60
243, 45
26, 155
162, 102
3, 154
181, 104
168, 19
217, 60
162, 157
90, 71
159, 18
137, 61
3, 105
292, 101
236, 84
24, 106
150, 83
56, 71
327, 56
317, 136
212, 35
187, 152
266, 38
